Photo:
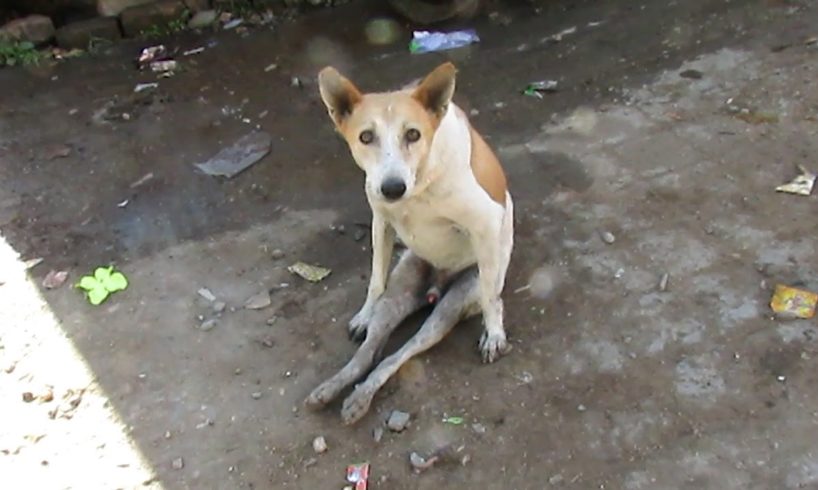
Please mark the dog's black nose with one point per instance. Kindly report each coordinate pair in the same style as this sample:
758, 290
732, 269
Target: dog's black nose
393, 189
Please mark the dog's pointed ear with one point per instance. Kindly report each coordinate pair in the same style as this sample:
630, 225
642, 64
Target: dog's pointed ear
436, 90
339, 94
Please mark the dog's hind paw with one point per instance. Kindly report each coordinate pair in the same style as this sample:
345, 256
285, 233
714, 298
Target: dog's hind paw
320, 396
359, 323
493, 346
357, 404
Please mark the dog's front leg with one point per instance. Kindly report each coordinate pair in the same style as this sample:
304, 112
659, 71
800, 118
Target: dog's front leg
488, 246
383, 243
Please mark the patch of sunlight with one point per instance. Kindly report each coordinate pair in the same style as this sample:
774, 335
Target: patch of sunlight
57, 429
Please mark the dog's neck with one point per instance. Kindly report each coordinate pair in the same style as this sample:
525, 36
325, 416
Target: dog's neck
449, 152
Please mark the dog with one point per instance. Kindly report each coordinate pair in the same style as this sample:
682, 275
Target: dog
435, 184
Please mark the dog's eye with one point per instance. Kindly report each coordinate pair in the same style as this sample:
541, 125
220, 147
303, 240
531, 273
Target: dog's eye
366, 137
412, 135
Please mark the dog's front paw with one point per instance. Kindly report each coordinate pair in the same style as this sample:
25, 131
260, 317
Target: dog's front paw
357, 404
360, 322
493, 345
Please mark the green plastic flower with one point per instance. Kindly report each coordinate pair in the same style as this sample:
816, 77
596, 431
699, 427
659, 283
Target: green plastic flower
104, 282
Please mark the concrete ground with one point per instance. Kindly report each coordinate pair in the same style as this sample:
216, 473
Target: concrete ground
673, 124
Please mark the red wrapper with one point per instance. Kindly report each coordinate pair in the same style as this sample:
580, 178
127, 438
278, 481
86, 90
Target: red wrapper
358, 474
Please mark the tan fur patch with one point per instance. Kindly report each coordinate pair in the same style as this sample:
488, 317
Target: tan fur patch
487, 169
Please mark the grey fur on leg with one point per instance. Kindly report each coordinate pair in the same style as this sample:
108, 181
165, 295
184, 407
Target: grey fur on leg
459, 302
402, 297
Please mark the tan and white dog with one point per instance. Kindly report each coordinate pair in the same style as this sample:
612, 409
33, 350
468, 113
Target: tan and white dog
433, 181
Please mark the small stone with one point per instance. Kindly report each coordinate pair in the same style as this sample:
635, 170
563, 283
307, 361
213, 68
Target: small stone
28, 397
115, 7
270, 67
178, 464
398, 421
202, 19
206, 294
416, 460
277, 254
556, 479
271, 321
256, 395
663, 282
619, 273
607, 237
691, 74
258, 301
781, 379
377, 434
319, 445
209, 324
474, 112
296, 82
359, 235
478, 428
219, 306
310, 462
581, 408
168, 435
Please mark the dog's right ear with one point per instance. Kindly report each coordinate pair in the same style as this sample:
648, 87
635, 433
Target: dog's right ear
339, 94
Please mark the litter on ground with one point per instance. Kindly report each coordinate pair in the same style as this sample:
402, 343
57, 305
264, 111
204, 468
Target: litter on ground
789, 302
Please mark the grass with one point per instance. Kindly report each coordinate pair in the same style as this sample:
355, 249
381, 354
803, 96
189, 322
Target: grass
13, 53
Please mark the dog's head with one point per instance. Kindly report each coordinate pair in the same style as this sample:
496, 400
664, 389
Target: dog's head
389, 134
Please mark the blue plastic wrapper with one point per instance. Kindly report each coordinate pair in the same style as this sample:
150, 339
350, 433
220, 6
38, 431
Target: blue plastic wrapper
427, 42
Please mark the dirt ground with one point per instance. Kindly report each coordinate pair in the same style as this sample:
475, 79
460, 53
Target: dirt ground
672, 126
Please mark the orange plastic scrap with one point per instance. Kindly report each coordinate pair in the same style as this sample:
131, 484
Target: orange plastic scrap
793, 302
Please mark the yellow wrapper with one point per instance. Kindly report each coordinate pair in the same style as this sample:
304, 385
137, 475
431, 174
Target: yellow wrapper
793, 302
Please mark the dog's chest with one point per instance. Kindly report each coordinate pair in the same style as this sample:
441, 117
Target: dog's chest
432, 236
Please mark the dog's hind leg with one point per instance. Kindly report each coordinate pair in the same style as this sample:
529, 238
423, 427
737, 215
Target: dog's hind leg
462, 300
403, 296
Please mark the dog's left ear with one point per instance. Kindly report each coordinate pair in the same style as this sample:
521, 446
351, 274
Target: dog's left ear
436, 90
339, 94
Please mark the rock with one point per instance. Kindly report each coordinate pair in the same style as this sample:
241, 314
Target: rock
319, 445
142, 17
115, 7
607, 237
78, 35
206, 294
209, 325
219, 306
256, 395
178, 464
202, 19
37, 29
197, 5
398, 421
28, 397
377, 434
258, 301
277, 254
663, 282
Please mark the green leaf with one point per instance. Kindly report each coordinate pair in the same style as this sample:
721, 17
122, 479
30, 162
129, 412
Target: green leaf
453, 420
88, 283
116, 282
97, 296
103, 273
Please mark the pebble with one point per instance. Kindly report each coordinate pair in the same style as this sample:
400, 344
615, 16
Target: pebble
258, 301
398, 421
219, 306
271, 321
209, 324
607, 237
479, 428
256, 395
277, 254
319, 445
178, 464
619, 273
359, 235
581, 407
663, 282
296, 82
377, 434
207, 294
